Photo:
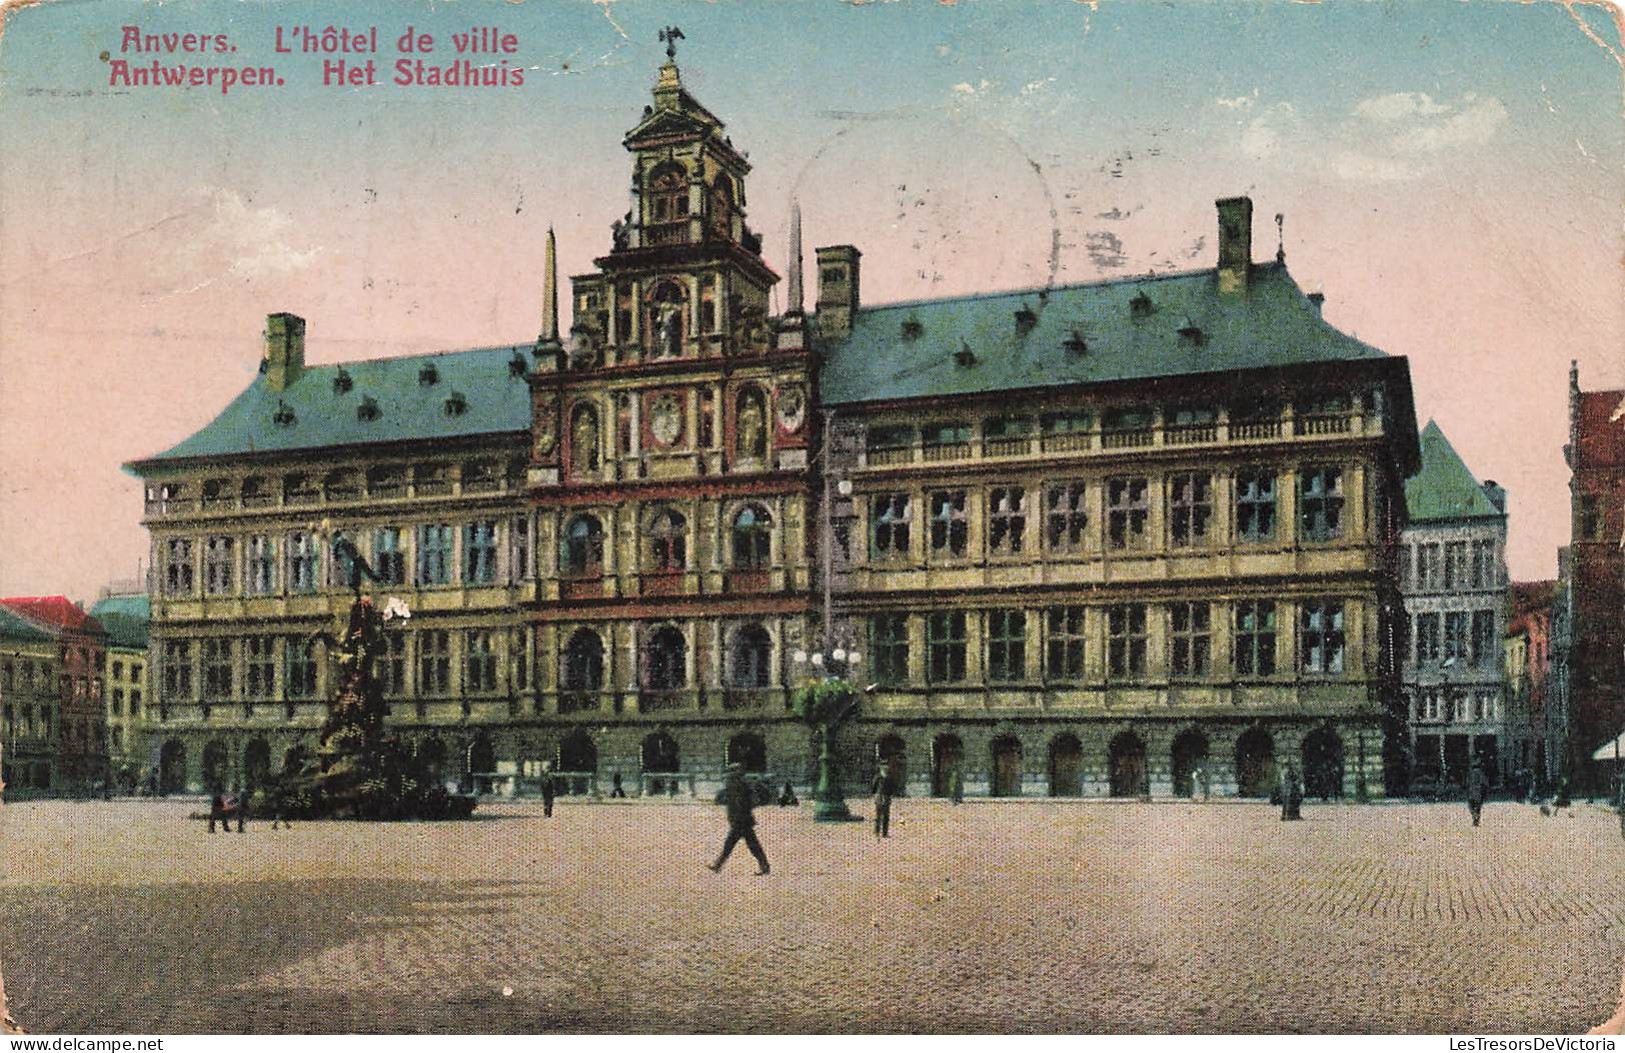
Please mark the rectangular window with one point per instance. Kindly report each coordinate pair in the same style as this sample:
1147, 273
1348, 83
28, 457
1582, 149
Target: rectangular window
1006, 646
217, 669
178, 669
1066, 638
945, 647
1192, 639
1007, 519
1255, 638
1407, 564
260, 652
1486, 575
1486, 644
434, 554
479, 662
1321, 629
299, 667
261, 565
118, 702
888, 646
1428, 566
1590, 518
1127, 509
1455, 565
1068, 517
1320, 503
1455, 636
1190, 508
521, 549
434, 662
1427, 638
480, 552
389, 556
390, 667
302, 562
948, 527
889, 529
1126, 639
219, 566
178, 567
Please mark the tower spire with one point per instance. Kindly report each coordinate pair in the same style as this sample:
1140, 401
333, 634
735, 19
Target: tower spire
550, 294
794, 296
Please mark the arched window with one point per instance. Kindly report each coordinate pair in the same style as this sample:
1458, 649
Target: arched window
667, 194
750, 426
583, 555
668, 541
667, 668
584, 435
750, 659
753, 534
584, 662
722, 207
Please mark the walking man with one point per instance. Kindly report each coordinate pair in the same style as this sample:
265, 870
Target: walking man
548, 789
956, 792
1476, 785
1291, 794
740, 800
616, 789
883, 802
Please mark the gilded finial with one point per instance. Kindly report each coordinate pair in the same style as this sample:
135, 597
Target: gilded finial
670, 36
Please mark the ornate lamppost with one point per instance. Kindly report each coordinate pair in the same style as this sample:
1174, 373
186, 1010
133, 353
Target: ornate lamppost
826, 700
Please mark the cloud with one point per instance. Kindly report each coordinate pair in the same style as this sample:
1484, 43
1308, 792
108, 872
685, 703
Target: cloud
1263, 134
1240, 102
1362, 167
1422, 124
254, 239
1398, 106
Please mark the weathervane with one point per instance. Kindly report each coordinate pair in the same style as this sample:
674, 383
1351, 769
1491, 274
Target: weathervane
1280, 237
670, 36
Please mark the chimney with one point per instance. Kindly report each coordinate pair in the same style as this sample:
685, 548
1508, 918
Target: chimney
284, 350
1317, 300
837, 290
1497, 495
1235, 243
795, 298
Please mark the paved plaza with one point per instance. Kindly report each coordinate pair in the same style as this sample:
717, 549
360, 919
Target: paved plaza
1023, 916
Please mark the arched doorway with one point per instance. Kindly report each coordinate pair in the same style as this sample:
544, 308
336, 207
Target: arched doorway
1006, 767
1323, 764
1255, 763
578, 755
749, 750
1189, 755
1065, 766
659, 756
432, 752
215, 764
256, 765
172, 767
482, 761
891, 757
947, 758
1129, 777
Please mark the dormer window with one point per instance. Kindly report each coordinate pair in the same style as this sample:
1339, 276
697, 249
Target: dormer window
456, 405
1025, 320
912, 330
368, 410
1075, 344
342, 382
1192, 333
1141, 306
283, 417
429, 375
964, 356
516, 365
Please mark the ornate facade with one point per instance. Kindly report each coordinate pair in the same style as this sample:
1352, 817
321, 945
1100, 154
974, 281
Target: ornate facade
1122, 538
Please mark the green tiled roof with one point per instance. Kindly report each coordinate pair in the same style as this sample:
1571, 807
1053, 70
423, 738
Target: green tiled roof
495, 400
1131, 328
125, 619
1445, 488
16, 627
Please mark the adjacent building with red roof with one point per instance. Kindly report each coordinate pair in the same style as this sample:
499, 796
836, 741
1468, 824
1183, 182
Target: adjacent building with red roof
73, 712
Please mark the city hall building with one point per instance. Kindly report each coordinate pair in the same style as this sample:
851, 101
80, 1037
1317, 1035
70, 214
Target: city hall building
1120, 538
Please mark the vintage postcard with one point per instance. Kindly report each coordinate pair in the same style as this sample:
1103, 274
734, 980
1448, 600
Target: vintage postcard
647, 516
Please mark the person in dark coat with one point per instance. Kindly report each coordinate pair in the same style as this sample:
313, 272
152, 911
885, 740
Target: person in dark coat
1291, 794
616, 789
217, 812
1477, 783
787, 796
739, 798
956, 790
548, 789
882, 802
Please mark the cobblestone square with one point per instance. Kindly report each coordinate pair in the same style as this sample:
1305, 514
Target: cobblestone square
1026, 916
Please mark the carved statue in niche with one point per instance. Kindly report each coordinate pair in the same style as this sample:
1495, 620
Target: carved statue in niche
584, 440
583, 348
752, 426
671, 332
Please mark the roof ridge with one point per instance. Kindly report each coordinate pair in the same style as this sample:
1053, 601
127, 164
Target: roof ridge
419, 354
1034, 290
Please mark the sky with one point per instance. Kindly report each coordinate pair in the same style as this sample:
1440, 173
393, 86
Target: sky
1451, 175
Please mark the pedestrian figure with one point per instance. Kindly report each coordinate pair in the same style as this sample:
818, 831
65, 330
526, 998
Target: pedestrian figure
276, 795
787, 796
956, 789
217, 811
883, 802
616, 789
1291, 794
1204, 782
739, 799
239, 804
1476, 784
548, 789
